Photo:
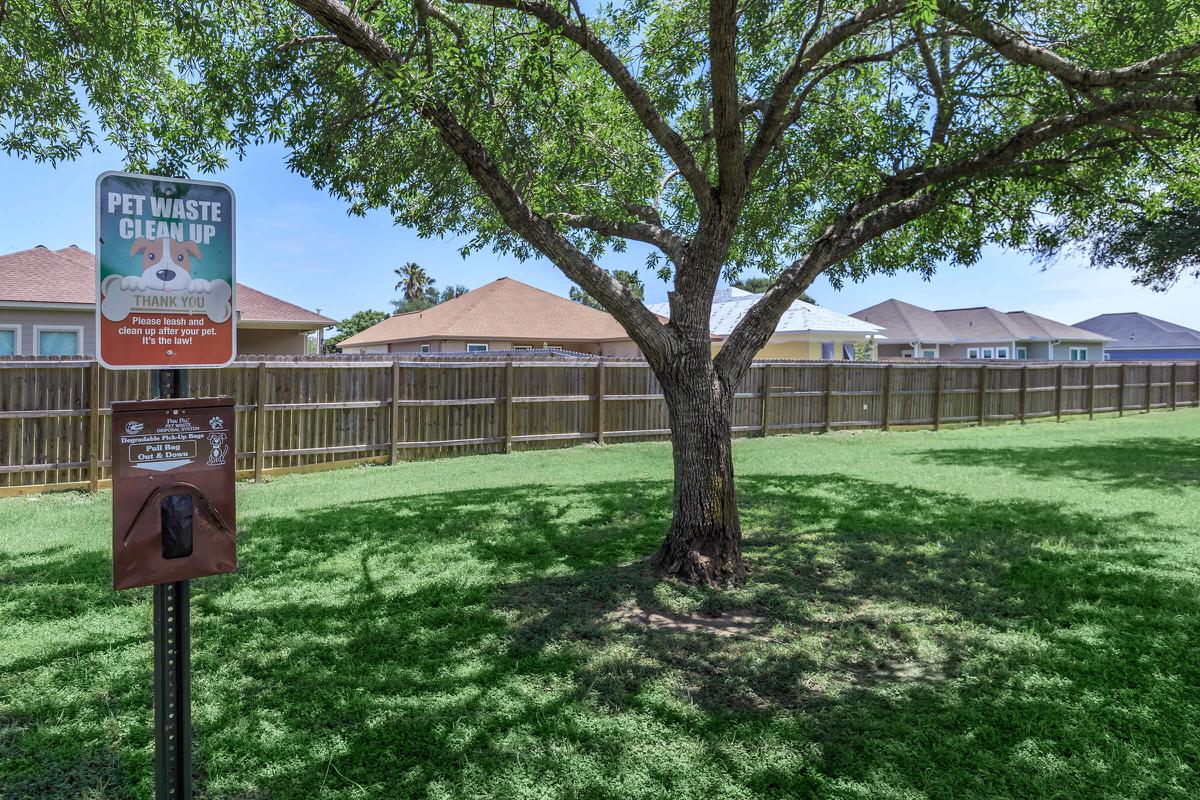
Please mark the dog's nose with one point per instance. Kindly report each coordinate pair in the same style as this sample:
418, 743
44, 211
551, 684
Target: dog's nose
165, 275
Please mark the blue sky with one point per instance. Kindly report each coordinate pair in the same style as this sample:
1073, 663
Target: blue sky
298, 243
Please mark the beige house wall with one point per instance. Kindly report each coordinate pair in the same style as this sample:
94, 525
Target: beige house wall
807, 348
250, 341
266, 342
26, 319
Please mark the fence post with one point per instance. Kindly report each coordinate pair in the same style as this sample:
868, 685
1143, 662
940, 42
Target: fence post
1023, 398
1092, 391
1058, 393
1121, 392
766, 399
260, 423
94, 427
1149, 386
508, 406
887, 397
983, 382
829, 397
1174, 384
393, 450
937, 397
600, 389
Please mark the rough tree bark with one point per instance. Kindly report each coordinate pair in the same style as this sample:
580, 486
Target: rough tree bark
704, 542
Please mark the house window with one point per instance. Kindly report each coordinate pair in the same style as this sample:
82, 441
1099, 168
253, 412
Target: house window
1079, 354
929, 354
1022, 354
1001, 352
477, 347
847, 352
972, 352
522, 347
58, 340
10, 341
424, 348
987, 352
827, 351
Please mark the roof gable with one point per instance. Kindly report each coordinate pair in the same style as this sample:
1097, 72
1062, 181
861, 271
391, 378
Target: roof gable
502, 309
906, 322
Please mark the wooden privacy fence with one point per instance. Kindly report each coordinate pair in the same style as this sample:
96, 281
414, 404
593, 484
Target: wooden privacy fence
306, 415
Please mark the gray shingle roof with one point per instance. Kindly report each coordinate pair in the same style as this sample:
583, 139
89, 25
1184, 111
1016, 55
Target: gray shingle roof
908, 323
1134, 331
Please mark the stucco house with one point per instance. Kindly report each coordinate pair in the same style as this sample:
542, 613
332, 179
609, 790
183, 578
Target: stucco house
805, 331
979, 333
1139, 337
502, 315
48, 307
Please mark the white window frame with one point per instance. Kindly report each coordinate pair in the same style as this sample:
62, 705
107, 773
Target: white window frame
972, 352
37, 336
477, 347
987, 352
1073, 350
1022, 353
16, 329
425, 348
522, 347
1003, 350
929, 354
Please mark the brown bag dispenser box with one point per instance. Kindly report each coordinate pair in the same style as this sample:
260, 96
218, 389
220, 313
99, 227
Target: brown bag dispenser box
174, 516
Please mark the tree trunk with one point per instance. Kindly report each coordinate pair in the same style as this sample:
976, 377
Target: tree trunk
704, 543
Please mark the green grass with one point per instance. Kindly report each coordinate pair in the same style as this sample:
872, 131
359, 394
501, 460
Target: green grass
1006, 612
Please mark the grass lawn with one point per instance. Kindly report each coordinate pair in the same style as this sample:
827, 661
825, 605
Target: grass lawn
1006, 612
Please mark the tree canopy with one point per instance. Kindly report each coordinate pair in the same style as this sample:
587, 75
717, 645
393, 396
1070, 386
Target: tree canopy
1159, 246
357, 322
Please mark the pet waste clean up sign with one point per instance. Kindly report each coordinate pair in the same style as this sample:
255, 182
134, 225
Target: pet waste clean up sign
164, 273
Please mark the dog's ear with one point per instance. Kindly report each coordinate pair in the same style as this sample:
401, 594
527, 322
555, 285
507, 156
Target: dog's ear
139, 245
191, 248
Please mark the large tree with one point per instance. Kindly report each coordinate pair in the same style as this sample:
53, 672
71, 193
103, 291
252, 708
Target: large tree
790, 137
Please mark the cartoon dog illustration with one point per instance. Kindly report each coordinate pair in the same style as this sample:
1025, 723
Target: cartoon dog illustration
166, 266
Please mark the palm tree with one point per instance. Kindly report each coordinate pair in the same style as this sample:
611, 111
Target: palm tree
414, 280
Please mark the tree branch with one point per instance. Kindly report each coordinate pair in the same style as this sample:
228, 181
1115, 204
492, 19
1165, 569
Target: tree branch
811, 53
661, 237
1015, 49
727, 116
635, 94
902, 198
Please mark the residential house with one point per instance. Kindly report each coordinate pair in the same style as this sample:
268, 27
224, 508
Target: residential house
1138, 337
979, 332
805, 331
502, 315
48, 307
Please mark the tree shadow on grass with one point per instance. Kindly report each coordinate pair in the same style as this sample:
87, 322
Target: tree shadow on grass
472, 644
1152, 462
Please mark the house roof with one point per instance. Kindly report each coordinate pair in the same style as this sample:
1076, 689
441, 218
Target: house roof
1134, 331
502, 309
68, 275
908, 323
730, 305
